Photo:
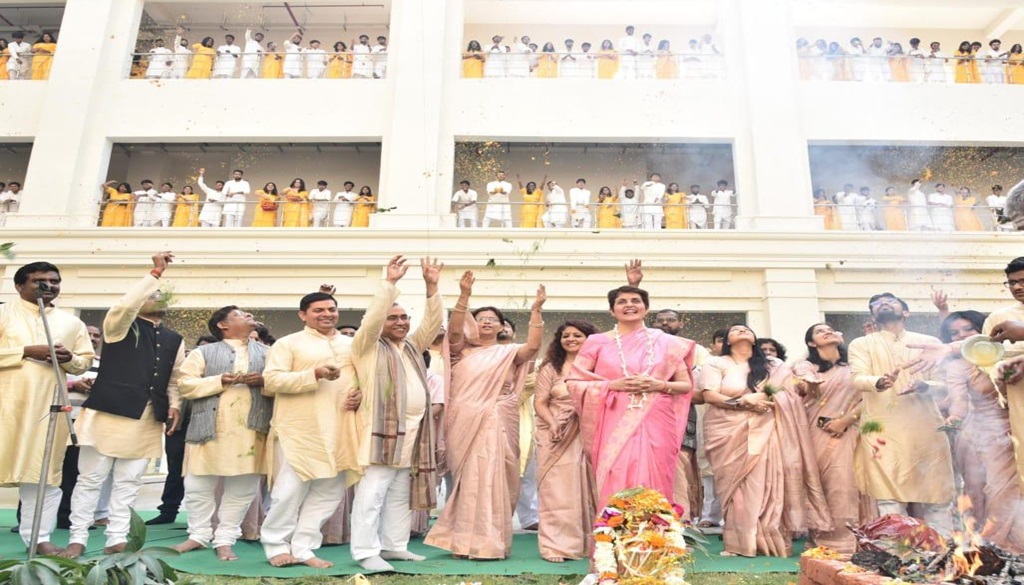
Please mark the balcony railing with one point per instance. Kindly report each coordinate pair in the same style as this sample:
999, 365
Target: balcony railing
912, 69
593, 65
262, 65
930, 218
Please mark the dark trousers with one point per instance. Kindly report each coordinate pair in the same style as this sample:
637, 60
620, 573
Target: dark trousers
67, 485
174, 486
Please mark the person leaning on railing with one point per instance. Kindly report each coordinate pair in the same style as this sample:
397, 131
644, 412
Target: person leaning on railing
202, 60
273, 63
473, 61
266, 211
117, 205
366, 204
186, 213
339, 64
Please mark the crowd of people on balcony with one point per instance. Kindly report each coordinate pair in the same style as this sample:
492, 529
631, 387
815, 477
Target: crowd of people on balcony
650, 205
632, 57
21, 60
938, 210
253, 59
226, 203
10, 198
882, 60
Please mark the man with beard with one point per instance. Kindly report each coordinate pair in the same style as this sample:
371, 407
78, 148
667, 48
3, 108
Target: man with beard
133, 401
906, 465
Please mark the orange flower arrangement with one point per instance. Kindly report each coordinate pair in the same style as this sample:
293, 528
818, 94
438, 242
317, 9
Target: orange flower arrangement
639, 540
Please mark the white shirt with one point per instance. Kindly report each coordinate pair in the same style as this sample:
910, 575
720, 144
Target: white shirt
499, 190
181, 58
164, 206
629, 209
462, 197
161, 59
227, 57
321, 201
697, 207
941, 210
723, 201
994, 201
362, 66
292, 64
316, 63
652, 194
9, 199
494, 66
146, 197
380, 64
629, 43
569, 66
17, 51
213, 207
253, 52
343, 208
579, 199
587, 65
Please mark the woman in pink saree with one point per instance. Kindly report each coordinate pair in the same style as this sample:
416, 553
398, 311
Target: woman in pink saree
833, 406
482, 428
756, 435
631, 387
983, 446
565, 481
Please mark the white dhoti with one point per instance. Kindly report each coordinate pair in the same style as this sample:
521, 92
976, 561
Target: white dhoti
381, 516
93, 470
200, 503
27, 493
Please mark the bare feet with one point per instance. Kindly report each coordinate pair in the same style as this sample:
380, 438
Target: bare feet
188, 546
48, 549
284, 560
117, 548
554, 559
226, 553
317, 563
73, 551
101, 522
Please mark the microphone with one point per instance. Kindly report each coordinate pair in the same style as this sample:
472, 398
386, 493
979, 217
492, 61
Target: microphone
42, 287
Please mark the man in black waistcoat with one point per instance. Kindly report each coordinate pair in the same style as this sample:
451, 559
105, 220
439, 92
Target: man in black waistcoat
133, 402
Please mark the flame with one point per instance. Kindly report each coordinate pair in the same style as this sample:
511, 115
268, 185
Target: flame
927, 174
966, 558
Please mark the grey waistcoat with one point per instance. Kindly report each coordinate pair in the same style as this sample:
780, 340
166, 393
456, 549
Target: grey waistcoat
220, 359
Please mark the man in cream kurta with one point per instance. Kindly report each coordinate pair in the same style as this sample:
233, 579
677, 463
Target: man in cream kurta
381, 511
26, 392
313, 434
231, 449
113, 442
994, 325
906, 466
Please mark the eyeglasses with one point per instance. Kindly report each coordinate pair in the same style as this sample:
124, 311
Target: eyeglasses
488, 320
1013, 283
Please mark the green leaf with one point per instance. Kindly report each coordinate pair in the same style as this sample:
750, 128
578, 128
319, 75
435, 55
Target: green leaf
153, 566
137, 573
45, 574
159, 551
136, 532
97, 576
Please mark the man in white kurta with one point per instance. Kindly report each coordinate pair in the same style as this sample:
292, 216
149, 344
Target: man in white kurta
145, 198
876, 61
722, 201
629, 207
182, 56
235, 192
292, 65
10, 200
496, 64
380, 58
213, 209
228, 55
464, 205
847, 201
362, 62
120, 446
557, 213
652, 196
498, 209
697, 208
234, 452
646, 58
312, 441
161, 61
28, 381
993, 68
935, 65
382, 509
569, 62
163, 206
907, 465
629, 46
316, 60
940, 206
579, 205
996, 201
321, 198
19, 64
343, 205
915, 65
253, 55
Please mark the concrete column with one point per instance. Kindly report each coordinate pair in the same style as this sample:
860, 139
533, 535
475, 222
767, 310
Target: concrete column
791, 304
71, 149
451, 73
770, 152
409, 156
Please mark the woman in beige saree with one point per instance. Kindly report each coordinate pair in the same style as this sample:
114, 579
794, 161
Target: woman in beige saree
755, 431
833, 406
565, 485
482, 428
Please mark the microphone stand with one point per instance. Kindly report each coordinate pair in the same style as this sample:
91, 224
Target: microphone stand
61, 404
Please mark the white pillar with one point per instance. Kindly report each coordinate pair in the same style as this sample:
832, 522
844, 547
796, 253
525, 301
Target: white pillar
409, 156
791, 305
71, 150
773, 178
451, 73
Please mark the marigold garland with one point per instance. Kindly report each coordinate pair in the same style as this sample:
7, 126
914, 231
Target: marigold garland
639, 540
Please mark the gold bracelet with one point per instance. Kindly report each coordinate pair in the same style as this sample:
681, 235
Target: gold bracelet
458, 310
461, 304
537, 325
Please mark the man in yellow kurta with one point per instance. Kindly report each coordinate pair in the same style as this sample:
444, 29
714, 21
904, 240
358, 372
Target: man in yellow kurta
133, 401
26, 393
313, 433
1000, 325
227, 433
906, 466
395, 445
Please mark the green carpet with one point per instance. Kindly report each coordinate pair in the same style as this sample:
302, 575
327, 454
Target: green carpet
252, 563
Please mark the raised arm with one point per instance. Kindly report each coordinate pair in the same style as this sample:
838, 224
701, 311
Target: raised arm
458, 319
121, 316
634, 272
433, 317
535, 337
369, 331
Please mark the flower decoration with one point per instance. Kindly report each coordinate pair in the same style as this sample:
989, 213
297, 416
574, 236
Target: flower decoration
640, 540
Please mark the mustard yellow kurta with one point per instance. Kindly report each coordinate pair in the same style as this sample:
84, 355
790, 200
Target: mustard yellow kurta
272, 67
186, 213
339, 66
473, 65
202, 62
361, 214
318, 437
117, 211
1014, 393
1014, 69
5, 56
895, 217
42, 60
665, 67
547, 66
964, 216
899, 66
529, 212
26, 389
265, 217
296, 208
607, 64
362, 364
913, 461
119, 436
235, 448
965, 68
675, 211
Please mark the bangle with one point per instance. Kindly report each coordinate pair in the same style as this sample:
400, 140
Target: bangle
537, 325
458, 310
156, 273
